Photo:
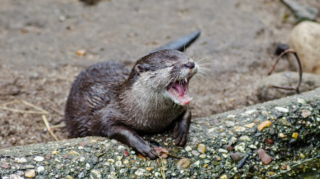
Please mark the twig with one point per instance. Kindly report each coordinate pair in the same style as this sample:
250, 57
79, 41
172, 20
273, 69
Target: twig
48, 127
22, 111
35, 107
161, 169
11, 102
296, 88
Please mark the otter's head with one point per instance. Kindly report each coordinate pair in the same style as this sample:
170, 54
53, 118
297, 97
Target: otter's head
166, 74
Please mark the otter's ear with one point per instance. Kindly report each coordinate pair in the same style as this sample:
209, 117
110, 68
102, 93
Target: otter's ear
140, 68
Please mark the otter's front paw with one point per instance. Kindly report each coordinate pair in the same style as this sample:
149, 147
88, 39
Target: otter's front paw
148, 152
180, 134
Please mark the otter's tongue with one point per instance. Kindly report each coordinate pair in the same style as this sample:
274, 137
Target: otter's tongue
179, 90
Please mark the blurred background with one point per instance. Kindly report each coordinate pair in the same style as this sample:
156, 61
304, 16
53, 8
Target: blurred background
45, 44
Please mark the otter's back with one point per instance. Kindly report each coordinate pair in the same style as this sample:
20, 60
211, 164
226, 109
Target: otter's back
93, 89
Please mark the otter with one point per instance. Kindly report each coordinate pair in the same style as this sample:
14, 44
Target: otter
111, 100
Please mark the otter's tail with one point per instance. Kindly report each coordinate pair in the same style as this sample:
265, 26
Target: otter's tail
180, 44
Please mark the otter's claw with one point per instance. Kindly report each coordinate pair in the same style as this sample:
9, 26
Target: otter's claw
149, 152
180, 134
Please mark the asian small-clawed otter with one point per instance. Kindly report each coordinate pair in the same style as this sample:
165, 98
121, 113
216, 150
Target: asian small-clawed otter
109, 99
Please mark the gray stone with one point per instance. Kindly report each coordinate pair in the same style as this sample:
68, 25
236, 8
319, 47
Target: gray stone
266, 93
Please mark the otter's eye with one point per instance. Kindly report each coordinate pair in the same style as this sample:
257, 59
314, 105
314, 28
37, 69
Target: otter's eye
189, 65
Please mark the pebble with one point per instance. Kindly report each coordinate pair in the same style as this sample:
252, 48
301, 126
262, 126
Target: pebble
264, 157
202, 156
140, 172
183, 163
29, 167
222, 151
245, 138
302, 156
269, 141
30, 173
224, 176
305, 113
81, 52
228, 147
236, 156
126, 161
201, 148
13, 176
196, 153
264, 124
95, 174
240, 147
125, 153
282, 135
301, 101
40, 169
188, 148
251, 125
21, 160
282, 109
229, 123
39, 158
239, 128
5, 166
250, 111
295, 135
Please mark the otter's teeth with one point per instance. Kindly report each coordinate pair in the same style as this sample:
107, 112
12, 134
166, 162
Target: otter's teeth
186, 80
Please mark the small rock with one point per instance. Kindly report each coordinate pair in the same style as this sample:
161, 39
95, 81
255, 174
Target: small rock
302, 156
69, 177
196, 153
48, 157
95, 174
239, 128
250, 111
188, 148
30, 166
125, 153
13, 176
39, 158
222, 151
282, 135
201, 148
269, 141
295, 135
183, 163
284, 167
264, 124
224, 176
81, 52
229, 123
282, 109
140, 172
228, 147
40, 169
126, 161
236, 156
301, 101
5, 166
30, 173
245, 138
305, 113
240, 147
21, 160
264, 157
251, 125
202, 156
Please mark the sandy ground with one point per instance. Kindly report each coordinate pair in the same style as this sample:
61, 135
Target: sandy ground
39, 41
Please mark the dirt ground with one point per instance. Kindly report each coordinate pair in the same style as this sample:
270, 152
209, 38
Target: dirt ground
39, 41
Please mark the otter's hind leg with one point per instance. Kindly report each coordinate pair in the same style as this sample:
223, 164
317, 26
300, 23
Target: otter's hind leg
181, 129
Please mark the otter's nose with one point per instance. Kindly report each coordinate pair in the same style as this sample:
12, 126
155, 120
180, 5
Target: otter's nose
189, 65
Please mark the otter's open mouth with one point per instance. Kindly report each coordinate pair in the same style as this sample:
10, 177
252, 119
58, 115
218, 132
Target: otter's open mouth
178, 91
